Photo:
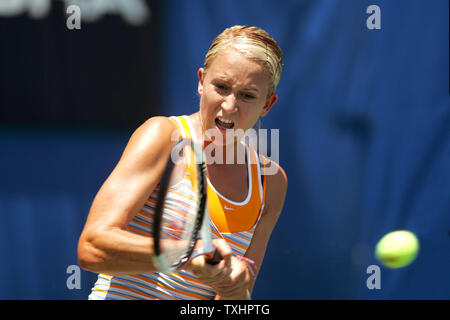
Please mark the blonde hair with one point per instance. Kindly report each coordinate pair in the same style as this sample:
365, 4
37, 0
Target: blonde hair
255, 44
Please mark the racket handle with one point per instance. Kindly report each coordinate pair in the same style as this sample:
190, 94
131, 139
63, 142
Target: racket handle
215, 259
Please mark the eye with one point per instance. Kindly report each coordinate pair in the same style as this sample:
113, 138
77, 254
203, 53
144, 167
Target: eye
220, 86
248, 96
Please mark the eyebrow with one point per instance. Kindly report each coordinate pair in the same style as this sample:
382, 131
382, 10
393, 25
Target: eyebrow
221, 78
251, 89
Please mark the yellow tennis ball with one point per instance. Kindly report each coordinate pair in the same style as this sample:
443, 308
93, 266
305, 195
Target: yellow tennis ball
397, 249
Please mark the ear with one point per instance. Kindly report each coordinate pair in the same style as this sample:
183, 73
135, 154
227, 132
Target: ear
200, 74
269, 104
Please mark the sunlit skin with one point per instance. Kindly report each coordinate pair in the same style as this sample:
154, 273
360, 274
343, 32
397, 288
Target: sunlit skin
235, 88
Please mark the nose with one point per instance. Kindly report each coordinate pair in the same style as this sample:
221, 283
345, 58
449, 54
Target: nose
229, 104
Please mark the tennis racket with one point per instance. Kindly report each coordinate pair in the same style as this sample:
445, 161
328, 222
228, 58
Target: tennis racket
184, 221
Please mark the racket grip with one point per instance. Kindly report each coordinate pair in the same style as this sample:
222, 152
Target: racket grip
215, 259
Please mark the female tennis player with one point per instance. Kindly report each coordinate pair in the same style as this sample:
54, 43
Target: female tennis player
236, 87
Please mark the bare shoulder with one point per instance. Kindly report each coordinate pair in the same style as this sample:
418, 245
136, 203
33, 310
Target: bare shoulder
276, 185
152, 137
135, 175
158, 121
274, 173
155, 128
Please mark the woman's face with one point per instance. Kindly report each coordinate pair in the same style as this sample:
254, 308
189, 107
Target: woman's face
233, 94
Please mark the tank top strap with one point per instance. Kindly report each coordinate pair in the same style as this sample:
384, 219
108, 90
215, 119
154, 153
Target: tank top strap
228, 216
182, 125
257, 174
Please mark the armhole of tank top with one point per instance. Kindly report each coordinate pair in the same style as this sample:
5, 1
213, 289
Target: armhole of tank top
177, 123
190, 128
260, 176
263, 180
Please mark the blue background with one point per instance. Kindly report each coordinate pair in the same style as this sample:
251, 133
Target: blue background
364, 139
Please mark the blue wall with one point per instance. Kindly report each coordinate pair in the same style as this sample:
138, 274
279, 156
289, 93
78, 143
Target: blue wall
364, 138
49, 180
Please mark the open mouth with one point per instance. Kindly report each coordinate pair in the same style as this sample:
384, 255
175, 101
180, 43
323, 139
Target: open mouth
223, 123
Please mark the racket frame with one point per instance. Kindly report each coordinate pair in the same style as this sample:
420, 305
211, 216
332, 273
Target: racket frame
201, 224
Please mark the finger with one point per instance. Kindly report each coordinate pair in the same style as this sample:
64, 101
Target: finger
251, 265
214, 258
196, 264
220, 271
222, 246
235, 293
210, 273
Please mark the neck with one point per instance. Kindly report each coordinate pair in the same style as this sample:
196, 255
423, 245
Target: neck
231, 154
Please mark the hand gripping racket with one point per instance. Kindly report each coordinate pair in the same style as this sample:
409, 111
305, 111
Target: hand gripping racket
176, 220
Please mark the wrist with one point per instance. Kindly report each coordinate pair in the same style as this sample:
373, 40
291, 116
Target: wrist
244, 295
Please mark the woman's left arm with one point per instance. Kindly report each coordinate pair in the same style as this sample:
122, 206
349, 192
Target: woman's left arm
276, 187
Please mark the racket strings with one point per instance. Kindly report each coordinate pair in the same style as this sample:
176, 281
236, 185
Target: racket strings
179, 222
181, 205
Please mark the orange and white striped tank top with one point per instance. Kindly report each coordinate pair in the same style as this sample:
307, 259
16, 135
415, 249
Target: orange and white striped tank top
233, 221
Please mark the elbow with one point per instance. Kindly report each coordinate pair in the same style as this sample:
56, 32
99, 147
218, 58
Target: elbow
90, 257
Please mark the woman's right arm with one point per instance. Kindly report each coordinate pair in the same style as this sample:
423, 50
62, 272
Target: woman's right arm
105, 245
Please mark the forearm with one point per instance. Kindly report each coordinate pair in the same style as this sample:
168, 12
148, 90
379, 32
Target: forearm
244, 295
243, 291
